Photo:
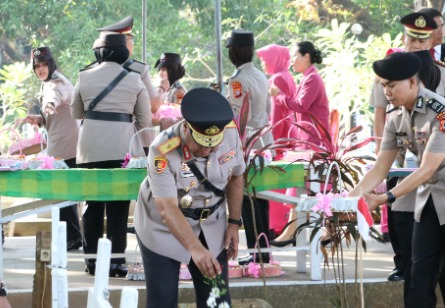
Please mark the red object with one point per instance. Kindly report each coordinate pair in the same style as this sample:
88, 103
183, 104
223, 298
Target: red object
432, 52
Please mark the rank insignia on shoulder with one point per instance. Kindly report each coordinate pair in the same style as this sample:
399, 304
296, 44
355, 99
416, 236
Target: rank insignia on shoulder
420, 102
435, 105
236, 88
169, 145
160, 163
179, 97
235, 73
441, 118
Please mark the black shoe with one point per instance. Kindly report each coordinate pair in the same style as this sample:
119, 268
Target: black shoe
117, 270
90, 267
386, 237
131, 230
396, 275
245, 260
283, 243
74, 245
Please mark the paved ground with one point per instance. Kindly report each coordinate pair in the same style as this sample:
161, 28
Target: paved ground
19, 266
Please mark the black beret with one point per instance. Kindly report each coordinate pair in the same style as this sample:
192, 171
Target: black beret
123, 26
110, 39
41, 54
397, 66
241, 38
418, 25
168, 58
207, 113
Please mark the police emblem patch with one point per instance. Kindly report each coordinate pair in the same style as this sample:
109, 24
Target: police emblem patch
160, 164
237, 89
441, 118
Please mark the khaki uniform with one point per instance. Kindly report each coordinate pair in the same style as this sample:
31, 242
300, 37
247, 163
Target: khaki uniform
248, 79
62, 129
143, 70
175, 93
108, 140
418, 131
168, 173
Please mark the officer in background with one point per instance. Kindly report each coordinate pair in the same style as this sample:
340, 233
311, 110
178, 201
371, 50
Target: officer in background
437, 49
418, 126
194, 168
248, 80
125, 27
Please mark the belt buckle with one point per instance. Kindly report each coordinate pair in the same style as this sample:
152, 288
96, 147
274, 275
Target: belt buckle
205, 216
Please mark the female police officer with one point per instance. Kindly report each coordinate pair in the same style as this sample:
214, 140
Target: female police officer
193, 168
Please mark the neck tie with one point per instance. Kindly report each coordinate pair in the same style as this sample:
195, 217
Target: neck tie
432, 52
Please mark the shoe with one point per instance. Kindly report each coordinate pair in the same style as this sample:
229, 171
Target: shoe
131, 230
283, 243
386, 237
74, 245
396, 275
90, 267
117, 270
245, 260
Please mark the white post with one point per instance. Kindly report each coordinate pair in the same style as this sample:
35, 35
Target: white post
129, 298
59, 265
98, 296
315, 254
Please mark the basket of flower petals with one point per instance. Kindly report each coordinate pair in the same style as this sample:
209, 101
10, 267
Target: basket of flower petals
257, 270
235, 270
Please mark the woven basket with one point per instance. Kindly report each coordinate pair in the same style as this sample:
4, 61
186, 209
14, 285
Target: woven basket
29, 146
137, 162
235, 271
271, 269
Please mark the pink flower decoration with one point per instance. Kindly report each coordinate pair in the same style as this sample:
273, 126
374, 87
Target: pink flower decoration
47, 162
324, 203
168, 111
254, 269
126, 160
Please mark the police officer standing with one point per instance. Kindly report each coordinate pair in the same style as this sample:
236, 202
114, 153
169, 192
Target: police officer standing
125, 26
418, 126
195, 167
248, 80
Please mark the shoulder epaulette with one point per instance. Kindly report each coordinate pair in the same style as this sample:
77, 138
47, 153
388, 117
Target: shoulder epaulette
91, 65
169, 145
235, 73
436, 106
137, 66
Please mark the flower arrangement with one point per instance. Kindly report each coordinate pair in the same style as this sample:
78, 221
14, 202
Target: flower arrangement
218, 289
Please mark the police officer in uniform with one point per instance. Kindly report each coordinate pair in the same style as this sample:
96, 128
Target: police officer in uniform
125, 26
248, 80
417, 125
170, 65
194, 168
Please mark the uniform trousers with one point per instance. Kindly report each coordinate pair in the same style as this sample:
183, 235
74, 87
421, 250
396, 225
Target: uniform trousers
261, 220
428, 255
93, 219
162, 278
69, 214
394, 239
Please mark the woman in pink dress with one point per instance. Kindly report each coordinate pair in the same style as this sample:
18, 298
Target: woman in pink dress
275, 61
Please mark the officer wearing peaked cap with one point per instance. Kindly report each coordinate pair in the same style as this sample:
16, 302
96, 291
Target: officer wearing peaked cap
195, 167
418, 25
125, 26
418, 126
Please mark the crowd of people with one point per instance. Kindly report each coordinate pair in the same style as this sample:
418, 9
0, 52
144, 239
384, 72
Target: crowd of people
190, 205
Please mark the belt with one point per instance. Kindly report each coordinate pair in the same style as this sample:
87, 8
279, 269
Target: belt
203, 213
108, 116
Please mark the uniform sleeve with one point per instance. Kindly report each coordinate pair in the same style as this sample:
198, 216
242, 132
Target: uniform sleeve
53, 93
239, 169
236, 94
389, 141
77, 105
161, 174
146, 78
142, 112
436, 141
377, 98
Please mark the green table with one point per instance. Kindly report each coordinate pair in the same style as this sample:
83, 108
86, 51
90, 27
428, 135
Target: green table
116, 184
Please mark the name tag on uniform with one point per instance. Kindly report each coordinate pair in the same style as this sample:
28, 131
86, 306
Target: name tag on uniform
186, 172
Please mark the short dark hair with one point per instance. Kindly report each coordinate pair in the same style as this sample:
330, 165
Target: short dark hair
307, 47
240, 55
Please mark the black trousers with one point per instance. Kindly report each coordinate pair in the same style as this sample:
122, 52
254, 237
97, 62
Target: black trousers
93, 219
394, 239
69, 214
428, 253
261, 213
162, 278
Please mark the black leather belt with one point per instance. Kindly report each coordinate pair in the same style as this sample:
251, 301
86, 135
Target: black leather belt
202, 213
108, 116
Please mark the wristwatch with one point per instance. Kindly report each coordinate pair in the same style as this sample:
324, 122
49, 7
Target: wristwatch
3, 289
391, 197
235, 221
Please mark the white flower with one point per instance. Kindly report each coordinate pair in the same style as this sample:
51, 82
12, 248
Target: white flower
223, 305
211, 302
215, 292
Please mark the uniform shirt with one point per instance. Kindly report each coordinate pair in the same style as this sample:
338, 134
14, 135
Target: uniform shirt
420, 130
61, 127
169, 173
143, 69
248, 79
175, 93
108, 140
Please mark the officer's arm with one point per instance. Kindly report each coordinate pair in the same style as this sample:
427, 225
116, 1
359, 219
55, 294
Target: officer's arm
235, 192
182, 231
377, 174
379, 123
429, 165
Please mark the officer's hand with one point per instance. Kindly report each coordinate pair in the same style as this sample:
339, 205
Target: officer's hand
232, 241
32, 119
206, 263
374, 200
274, 91
49, 108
